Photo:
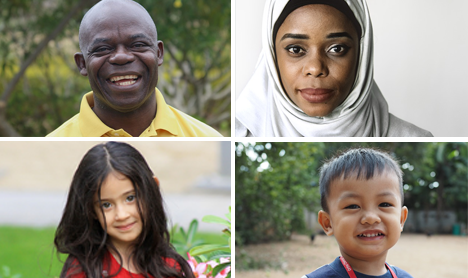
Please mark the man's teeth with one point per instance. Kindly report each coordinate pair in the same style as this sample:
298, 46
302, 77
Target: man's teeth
117, 78
370, 235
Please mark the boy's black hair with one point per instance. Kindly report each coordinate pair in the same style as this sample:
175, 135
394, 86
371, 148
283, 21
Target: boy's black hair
361, 163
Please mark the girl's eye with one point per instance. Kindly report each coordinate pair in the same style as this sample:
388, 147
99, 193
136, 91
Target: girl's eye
339, 49
352, 207
130, 198
295, 50
385, 205
106, 205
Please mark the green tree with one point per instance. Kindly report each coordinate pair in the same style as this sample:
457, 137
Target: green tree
276, 181
41, 87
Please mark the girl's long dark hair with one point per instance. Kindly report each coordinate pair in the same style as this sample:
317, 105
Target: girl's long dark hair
80, 234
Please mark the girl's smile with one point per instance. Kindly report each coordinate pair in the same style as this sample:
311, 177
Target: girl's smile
119, 204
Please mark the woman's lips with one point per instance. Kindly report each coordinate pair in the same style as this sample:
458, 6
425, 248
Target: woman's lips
316, 95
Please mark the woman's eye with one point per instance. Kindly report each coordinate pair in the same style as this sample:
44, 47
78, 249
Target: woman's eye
130, 198
106, 205
385, 205
340, 49
295, 50
352, 207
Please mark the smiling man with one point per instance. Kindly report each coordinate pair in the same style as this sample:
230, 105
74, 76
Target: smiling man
120, 55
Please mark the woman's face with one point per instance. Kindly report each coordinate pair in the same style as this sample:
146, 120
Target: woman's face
317, 50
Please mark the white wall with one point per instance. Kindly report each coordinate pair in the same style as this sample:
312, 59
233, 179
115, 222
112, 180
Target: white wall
421, 58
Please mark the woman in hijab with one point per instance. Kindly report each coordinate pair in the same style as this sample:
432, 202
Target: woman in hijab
314, 76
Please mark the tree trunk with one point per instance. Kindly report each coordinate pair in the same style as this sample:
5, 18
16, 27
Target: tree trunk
5, 128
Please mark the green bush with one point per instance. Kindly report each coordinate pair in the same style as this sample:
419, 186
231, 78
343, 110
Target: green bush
274, 183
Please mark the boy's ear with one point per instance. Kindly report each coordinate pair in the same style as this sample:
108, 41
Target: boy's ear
325, 222
404, 215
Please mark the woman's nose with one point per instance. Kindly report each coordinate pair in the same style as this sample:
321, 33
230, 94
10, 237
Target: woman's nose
121, 56
315, 65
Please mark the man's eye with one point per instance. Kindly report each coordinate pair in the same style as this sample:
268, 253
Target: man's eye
295, 50
139, 45
102, 49
352, 207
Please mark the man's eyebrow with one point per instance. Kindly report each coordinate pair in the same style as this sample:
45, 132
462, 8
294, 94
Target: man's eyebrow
140, 36
339, 35
295, 36
97, 41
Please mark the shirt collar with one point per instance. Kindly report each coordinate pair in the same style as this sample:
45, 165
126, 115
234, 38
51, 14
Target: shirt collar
92, 126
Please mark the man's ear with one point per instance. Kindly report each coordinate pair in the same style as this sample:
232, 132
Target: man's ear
80, 63
160, 53
325, 221
404, 215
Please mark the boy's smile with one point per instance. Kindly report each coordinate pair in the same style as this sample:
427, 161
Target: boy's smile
366, 216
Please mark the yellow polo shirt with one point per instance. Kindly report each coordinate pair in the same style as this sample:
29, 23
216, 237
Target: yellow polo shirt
169, 122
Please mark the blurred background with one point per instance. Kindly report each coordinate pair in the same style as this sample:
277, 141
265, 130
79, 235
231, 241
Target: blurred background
195, 180
41, 88
277, 199
417, 62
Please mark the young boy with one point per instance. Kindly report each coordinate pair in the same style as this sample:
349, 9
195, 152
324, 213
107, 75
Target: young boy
362, 199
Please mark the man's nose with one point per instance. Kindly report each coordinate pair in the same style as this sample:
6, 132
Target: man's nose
121, 56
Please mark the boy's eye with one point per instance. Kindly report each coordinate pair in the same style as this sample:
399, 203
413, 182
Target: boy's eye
385, 205
352, 207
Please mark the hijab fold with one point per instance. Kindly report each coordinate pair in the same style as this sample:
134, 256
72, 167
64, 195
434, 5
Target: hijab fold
264, 109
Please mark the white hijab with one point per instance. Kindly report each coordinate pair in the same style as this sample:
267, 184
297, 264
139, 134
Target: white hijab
264, 109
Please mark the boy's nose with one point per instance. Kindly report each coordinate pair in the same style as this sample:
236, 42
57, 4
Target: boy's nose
370, 217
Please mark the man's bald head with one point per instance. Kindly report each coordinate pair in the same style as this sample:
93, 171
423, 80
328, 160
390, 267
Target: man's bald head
112, 8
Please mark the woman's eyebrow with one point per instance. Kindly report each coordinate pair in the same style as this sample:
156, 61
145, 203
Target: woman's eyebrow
339, 35
295, 36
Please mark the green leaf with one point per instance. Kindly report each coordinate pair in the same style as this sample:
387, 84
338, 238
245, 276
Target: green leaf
192, 230
219, 267
198, 250
216, 220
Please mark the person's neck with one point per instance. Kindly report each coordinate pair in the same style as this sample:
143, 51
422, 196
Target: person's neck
133, 122
373, 266
125, 253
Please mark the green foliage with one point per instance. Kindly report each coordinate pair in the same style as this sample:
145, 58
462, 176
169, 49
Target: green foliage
210, 252
29, 252
6, 273
276, 181
187, 241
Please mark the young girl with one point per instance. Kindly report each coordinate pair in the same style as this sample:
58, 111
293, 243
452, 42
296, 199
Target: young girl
114, 224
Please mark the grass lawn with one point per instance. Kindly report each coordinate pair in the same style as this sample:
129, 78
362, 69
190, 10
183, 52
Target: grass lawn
30, 251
